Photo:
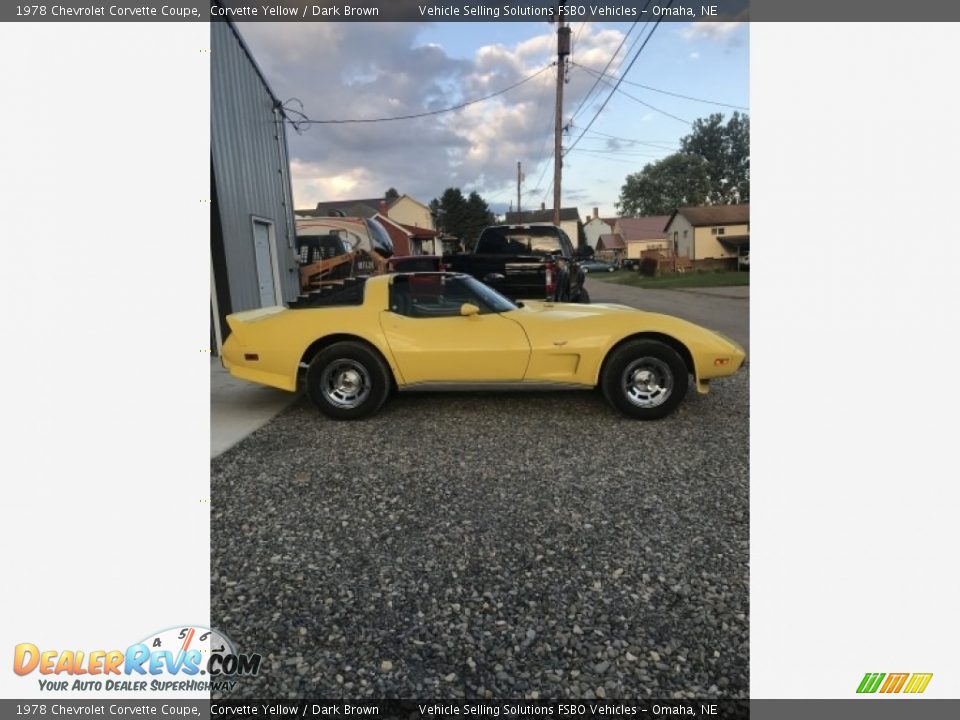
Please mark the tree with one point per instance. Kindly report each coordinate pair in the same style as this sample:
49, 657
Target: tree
391, 195
726, 150
662, 186
478, 217
738, 157
459, 216
451, 211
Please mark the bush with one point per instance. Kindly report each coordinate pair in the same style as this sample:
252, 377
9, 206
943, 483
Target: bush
648, 266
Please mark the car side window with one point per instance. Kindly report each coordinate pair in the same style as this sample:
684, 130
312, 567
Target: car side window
431, 296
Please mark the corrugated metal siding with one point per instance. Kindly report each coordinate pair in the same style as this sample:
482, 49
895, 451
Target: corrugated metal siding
249, 167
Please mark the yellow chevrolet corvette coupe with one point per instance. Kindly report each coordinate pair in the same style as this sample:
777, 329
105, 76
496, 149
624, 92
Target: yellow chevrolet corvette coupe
433, 331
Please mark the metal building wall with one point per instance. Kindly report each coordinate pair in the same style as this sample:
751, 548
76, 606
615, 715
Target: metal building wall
250, 171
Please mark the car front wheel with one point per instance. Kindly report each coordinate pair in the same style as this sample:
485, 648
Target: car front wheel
348, 381
645, 379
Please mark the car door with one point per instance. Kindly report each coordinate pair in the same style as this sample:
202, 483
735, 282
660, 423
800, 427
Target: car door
432, 342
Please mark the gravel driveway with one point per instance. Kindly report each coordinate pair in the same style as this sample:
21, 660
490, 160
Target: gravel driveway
488, 545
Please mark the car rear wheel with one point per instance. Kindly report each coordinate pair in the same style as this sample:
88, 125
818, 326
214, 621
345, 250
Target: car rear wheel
348, 381
645, 379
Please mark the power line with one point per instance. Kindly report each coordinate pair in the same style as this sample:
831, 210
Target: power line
609, 62
613, 57
431, 112
658, 90
622, 76
652, 143
543, 146
579, 30
607, 159
644, 103
624, 153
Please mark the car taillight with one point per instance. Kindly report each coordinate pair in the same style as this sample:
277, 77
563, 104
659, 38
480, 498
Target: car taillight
551, 282
444, 267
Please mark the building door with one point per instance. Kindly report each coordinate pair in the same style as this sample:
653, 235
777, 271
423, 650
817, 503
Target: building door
263, 251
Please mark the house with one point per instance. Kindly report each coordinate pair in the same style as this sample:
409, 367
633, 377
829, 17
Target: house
610, 247
710, 231
569, 221
253, 256
403, 209
642, 234
365, 208
408, 211
410, 239
597, 226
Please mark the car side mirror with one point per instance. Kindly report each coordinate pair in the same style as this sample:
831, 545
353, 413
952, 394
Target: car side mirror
469, 309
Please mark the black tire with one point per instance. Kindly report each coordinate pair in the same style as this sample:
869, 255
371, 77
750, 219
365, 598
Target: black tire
645, 379
348, 381
584, 296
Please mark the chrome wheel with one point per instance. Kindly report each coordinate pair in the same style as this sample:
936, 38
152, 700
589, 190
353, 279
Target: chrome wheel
647, 382
345, 383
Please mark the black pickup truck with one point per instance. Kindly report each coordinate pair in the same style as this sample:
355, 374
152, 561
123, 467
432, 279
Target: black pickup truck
525, 262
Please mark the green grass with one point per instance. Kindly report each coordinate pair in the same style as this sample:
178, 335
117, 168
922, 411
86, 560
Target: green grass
690, 279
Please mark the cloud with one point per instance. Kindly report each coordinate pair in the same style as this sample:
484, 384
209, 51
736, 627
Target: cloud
710, 30
311, 184
369, 70
694, 56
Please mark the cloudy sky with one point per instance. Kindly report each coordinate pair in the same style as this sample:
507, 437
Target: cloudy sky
374, 70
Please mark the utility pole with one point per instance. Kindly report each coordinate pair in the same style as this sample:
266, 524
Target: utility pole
563, 49
519, 176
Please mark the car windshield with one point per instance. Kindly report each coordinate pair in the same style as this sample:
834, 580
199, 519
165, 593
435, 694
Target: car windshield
379, 237
532, 240
490, 297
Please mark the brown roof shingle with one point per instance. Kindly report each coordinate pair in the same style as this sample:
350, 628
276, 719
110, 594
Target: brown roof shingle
419, 232
715, 214
649, 227
611, 241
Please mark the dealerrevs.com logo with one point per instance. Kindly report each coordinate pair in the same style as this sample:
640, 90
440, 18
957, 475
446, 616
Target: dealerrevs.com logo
184, 658
911, 683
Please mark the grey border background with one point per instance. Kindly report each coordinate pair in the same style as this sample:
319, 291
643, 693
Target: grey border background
407, 10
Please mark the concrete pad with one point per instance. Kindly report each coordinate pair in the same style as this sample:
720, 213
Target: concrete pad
237, 408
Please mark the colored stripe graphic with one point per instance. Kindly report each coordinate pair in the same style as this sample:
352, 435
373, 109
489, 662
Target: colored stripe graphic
894, 682
918, 682
870, 682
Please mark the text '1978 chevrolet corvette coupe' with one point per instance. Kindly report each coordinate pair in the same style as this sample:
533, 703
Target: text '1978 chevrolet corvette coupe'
432, 331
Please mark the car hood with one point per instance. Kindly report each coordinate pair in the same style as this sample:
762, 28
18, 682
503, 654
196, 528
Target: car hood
599, 320
571, 310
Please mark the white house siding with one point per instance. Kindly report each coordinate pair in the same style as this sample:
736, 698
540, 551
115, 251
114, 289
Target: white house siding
408, 211
593, 230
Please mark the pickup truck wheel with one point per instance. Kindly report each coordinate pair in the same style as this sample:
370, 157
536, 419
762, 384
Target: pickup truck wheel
645, 379
348, 381
584, 296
